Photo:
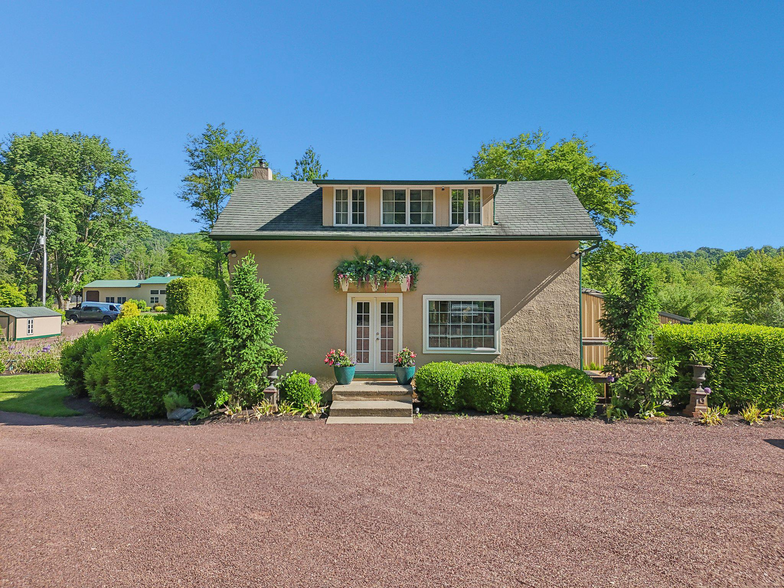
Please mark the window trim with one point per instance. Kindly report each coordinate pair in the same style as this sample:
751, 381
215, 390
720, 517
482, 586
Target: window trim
349, 189
461, 351
407, 189
30, 327
465, 222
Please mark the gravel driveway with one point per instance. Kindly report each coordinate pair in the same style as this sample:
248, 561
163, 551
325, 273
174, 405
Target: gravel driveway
446, 502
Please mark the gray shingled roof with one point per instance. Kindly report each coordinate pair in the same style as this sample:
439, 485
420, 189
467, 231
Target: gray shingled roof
271, 209
29, 311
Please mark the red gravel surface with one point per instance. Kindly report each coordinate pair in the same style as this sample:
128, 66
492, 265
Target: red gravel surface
446, 502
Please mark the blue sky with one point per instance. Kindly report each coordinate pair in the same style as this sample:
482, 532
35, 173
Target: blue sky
685, 98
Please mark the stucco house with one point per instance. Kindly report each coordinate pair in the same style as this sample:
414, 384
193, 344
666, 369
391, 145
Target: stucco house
499, 278
152, 290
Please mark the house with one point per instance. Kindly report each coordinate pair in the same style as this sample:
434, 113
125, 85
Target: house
152, 290
594, 341
29, 322
499, 278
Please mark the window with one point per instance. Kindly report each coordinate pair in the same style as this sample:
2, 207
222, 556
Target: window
455, 324
30, 323
109, 299
407, 207
393, 207
467, 206
421, 207
163, 292
122, 299
153, 291
153, 300
357, 211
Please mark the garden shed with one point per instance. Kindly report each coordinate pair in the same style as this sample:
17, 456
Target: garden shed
30, 322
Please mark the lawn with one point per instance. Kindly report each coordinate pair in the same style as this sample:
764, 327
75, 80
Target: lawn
40, 394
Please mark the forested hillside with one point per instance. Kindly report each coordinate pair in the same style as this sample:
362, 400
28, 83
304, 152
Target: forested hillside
709, 284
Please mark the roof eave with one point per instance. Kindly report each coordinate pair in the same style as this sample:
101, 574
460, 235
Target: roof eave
436, 238
330, 182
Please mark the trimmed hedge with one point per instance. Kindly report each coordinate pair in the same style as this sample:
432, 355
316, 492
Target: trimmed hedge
747, 362
437, 383
297, 389
530, 390
485, 387
133, 363
572, 392
195, 296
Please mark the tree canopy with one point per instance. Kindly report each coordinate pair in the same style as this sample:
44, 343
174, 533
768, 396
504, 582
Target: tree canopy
86, 189
308, 168
602, 190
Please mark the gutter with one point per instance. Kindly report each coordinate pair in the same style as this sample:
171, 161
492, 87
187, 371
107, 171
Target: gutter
413, 238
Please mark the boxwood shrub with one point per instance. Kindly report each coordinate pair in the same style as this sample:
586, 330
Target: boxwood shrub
297, 389
72, 359
571, 391
747, 361
485, 387
530, 390
437, 384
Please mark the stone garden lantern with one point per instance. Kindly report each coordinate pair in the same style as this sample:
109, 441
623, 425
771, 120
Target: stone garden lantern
698, 402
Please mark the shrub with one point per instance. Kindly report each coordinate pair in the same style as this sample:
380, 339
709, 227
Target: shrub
152, 356
72, 359
530, 390
195, 296
571, 391
129, 309
249, 321
158, 308
485, 387
174, 400
97, 375
747, 366
437, 384
300, 390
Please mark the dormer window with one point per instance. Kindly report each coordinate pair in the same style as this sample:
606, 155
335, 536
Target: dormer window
349, 206
407, 206
466, 206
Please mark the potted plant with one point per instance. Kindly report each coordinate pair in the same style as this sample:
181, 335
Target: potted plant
343, 365
700, 362
276, 357
405, 366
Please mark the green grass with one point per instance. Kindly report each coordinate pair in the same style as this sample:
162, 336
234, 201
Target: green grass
40, 394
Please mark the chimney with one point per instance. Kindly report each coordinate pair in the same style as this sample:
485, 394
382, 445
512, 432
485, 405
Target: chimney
262, 171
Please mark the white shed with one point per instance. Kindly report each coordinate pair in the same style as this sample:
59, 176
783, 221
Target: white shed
29, 322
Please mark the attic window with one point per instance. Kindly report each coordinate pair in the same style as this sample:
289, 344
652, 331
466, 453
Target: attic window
466, 206
349, 212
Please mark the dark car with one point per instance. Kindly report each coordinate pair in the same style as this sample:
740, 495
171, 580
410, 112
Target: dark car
102, 312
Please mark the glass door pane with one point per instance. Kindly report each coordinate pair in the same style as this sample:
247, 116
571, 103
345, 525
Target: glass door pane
386, 332
362, 338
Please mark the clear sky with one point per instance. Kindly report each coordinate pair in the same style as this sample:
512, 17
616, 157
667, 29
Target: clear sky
686, 98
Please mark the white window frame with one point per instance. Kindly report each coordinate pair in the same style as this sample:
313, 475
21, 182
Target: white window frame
465, 222
461, 351
30, 327
350, 210
408, 205
154, 300
351, 297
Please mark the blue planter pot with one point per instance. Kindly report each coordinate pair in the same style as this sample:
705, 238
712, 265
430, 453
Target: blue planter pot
344, 375
404, 375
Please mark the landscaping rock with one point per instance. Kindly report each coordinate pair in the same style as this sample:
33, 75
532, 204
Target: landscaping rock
181, 414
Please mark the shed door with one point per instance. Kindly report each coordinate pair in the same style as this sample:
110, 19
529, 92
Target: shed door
92, 296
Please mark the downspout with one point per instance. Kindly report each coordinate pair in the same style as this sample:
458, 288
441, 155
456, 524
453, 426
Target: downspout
495, 193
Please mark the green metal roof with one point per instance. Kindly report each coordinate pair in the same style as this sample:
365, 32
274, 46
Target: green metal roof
462, 182
29, 311
130, 283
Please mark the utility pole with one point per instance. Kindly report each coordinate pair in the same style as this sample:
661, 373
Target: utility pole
43, 245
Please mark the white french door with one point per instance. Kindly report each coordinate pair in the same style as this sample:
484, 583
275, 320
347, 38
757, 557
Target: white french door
374, 331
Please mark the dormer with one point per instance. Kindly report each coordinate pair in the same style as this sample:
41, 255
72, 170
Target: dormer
407, 203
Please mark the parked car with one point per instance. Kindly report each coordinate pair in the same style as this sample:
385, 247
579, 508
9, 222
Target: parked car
103, 312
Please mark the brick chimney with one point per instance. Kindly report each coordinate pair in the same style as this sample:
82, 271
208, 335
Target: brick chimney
262, 171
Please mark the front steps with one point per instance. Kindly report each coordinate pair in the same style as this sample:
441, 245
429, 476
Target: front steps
371, 402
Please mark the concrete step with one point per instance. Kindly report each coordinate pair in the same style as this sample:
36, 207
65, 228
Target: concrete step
369, 420
370, 408
372, 390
